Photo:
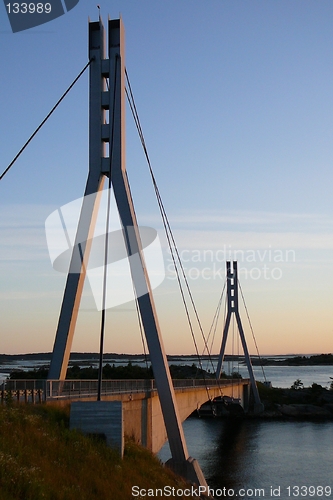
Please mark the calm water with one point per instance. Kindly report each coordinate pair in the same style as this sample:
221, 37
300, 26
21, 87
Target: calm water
285, 376
256, 456
249, 455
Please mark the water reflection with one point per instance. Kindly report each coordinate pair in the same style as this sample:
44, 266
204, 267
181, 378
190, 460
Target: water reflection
224, 462
261, 454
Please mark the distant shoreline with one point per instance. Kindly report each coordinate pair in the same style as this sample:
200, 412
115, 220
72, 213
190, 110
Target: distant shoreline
274, 360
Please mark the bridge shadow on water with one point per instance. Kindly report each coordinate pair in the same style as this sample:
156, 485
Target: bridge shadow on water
254, 454
226, 459
225, 448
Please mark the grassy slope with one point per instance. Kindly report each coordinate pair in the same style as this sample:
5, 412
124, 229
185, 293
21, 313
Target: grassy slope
40, 458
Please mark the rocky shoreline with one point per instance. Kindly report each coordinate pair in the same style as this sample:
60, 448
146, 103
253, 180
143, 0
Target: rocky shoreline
312, 403
298, 412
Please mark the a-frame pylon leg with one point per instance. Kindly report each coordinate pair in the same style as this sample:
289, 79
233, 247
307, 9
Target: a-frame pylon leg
113, 133
232, 304
77, 271
223, 345
75, 280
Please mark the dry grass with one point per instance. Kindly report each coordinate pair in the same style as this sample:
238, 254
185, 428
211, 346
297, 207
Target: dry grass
40, 458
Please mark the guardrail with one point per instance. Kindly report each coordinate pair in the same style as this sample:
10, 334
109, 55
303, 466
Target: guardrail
32, 390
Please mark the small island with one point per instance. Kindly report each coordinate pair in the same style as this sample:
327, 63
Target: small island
315, 359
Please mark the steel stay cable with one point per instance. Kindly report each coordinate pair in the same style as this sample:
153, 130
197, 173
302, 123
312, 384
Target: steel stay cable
233, 345
238, 363
253, 336
184, 301
140, 326
168, 231
171, 251
161, 206
232, 358
188, 288
189, 320
135, 297
134, 292
215, 322
138, 125
225, 316
45, 119
159, 201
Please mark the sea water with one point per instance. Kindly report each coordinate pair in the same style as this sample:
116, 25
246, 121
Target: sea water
261, 458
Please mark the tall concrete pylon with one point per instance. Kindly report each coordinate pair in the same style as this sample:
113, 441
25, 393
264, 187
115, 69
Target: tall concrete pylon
111, 98
232, 308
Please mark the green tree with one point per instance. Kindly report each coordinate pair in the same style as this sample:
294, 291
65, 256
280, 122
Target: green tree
298, 384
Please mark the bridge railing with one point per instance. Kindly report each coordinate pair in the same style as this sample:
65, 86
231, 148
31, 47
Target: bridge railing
199, 382
26, 389
21, 389
81, 388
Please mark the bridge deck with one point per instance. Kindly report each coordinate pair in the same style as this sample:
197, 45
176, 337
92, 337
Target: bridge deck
80, 389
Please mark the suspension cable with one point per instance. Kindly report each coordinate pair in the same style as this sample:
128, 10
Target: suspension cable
45, 119
253, 336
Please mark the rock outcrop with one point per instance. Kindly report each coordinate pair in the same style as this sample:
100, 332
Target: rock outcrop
304, 411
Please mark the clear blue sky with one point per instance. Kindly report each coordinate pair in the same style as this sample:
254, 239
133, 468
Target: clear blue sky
236, 103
